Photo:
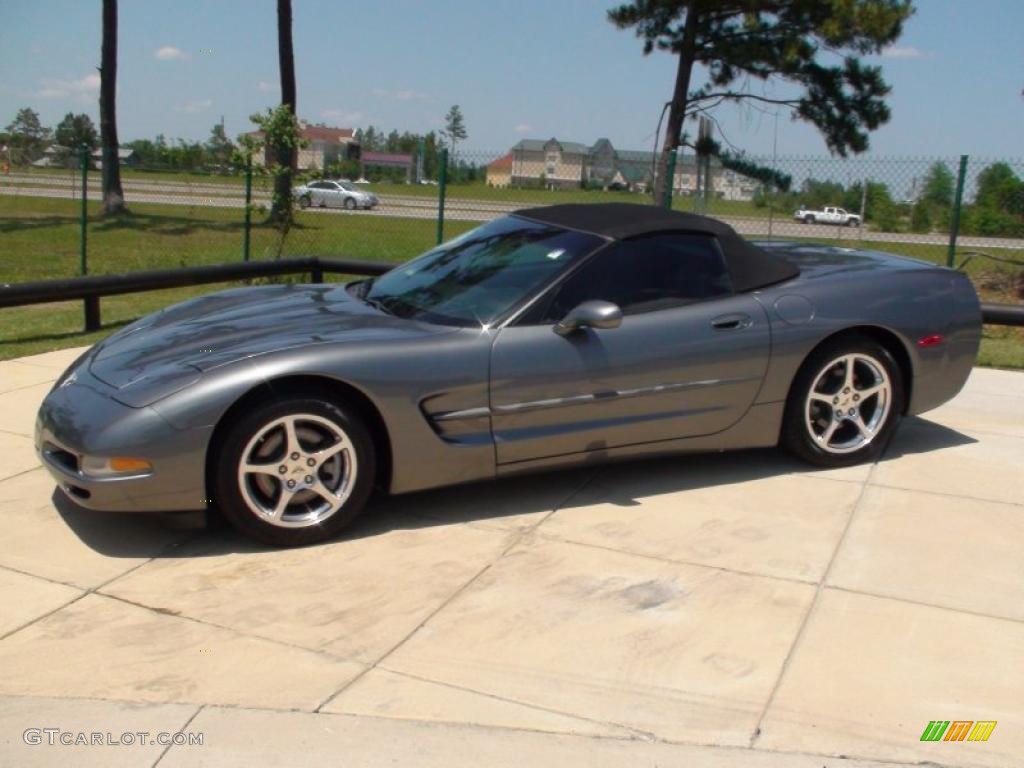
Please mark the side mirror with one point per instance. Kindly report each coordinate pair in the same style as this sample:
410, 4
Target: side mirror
590, 314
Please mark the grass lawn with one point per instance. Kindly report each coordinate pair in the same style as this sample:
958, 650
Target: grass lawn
40, 240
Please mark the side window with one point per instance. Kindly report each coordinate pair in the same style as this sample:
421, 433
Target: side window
646, 274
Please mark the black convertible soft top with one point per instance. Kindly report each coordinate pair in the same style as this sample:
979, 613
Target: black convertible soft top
749, 266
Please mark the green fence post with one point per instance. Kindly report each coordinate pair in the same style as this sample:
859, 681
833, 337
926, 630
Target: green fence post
248, 208
954, 225
91, 304
83, 266
442, 183
670, 178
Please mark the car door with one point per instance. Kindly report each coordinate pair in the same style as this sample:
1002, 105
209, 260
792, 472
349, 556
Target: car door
316, 193
687, 360
333, 194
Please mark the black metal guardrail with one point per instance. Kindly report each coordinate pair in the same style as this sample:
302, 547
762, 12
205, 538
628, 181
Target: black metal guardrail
1003, 314
91, 289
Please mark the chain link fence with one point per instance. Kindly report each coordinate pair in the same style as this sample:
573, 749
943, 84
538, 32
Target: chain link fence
188, 217
183, 217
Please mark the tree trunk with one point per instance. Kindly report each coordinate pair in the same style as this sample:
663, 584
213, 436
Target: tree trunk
284, 155
113, 195
677, 108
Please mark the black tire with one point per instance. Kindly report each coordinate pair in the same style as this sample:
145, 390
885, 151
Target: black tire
312, 413
803, 417
808, 219
304, 202
350, 203
853, 223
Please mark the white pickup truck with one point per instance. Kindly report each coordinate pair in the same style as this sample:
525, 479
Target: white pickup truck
829, 215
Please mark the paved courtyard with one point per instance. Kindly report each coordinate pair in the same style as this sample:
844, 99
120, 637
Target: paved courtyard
731, 610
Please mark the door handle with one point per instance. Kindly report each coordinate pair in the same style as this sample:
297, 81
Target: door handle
732, 322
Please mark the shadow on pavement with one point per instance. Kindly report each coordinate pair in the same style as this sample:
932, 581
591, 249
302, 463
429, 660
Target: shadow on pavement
197, 534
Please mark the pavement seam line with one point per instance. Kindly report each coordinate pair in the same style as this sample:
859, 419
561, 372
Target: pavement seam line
515, 536
635, 733
923, 604
810, 609
89, 591
181, 729
28, 386
23, 472
947, 495
670, 561
47, 579
28, 624
203, 622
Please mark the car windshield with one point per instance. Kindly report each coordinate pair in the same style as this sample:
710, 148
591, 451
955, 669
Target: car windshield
477, 277
347, 186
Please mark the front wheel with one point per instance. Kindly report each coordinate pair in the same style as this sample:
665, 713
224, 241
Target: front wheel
304, 202
350, 204
294, 471
844, 405
853, 223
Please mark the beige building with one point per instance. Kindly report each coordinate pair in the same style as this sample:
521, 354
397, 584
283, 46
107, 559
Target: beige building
499, 173
566, 164
552, 163
324, 145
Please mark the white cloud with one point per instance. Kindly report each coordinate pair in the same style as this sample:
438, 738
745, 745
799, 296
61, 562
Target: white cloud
266, 87
405, 94
346, 118
169, 53
902, 52
53, 88
193, 107
523, 128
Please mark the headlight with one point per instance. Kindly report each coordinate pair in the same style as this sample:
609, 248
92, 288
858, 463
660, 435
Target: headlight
115, 466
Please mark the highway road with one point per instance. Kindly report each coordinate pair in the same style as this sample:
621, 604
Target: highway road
456, 209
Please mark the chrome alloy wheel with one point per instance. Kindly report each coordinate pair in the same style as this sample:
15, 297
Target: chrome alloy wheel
848, 403
297, 471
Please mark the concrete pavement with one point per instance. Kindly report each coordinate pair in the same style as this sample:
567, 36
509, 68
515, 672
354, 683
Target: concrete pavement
721, 610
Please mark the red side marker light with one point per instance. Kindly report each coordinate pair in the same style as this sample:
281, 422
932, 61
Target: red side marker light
931, 341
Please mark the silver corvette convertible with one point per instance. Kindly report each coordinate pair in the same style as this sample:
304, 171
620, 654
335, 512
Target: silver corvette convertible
552, 337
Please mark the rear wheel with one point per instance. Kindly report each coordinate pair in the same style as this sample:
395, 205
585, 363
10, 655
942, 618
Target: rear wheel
845, 403
808, 219
295, 471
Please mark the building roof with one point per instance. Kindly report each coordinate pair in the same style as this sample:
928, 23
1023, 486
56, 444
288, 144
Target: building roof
319, 133
325, 133
749, 266
386, 158
503, 163
539, 145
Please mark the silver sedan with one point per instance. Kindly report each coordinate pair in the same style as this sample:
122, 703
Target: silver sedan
334, 194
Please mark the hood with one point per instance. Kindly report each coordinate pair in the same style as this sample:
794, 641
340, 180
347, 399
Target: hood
182, 341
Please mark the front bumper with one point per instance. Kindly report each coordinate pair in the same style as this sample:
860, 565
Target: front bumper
80, 419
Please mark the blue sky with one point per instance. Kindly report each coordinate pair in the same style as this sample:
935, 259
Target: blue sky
523, 69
